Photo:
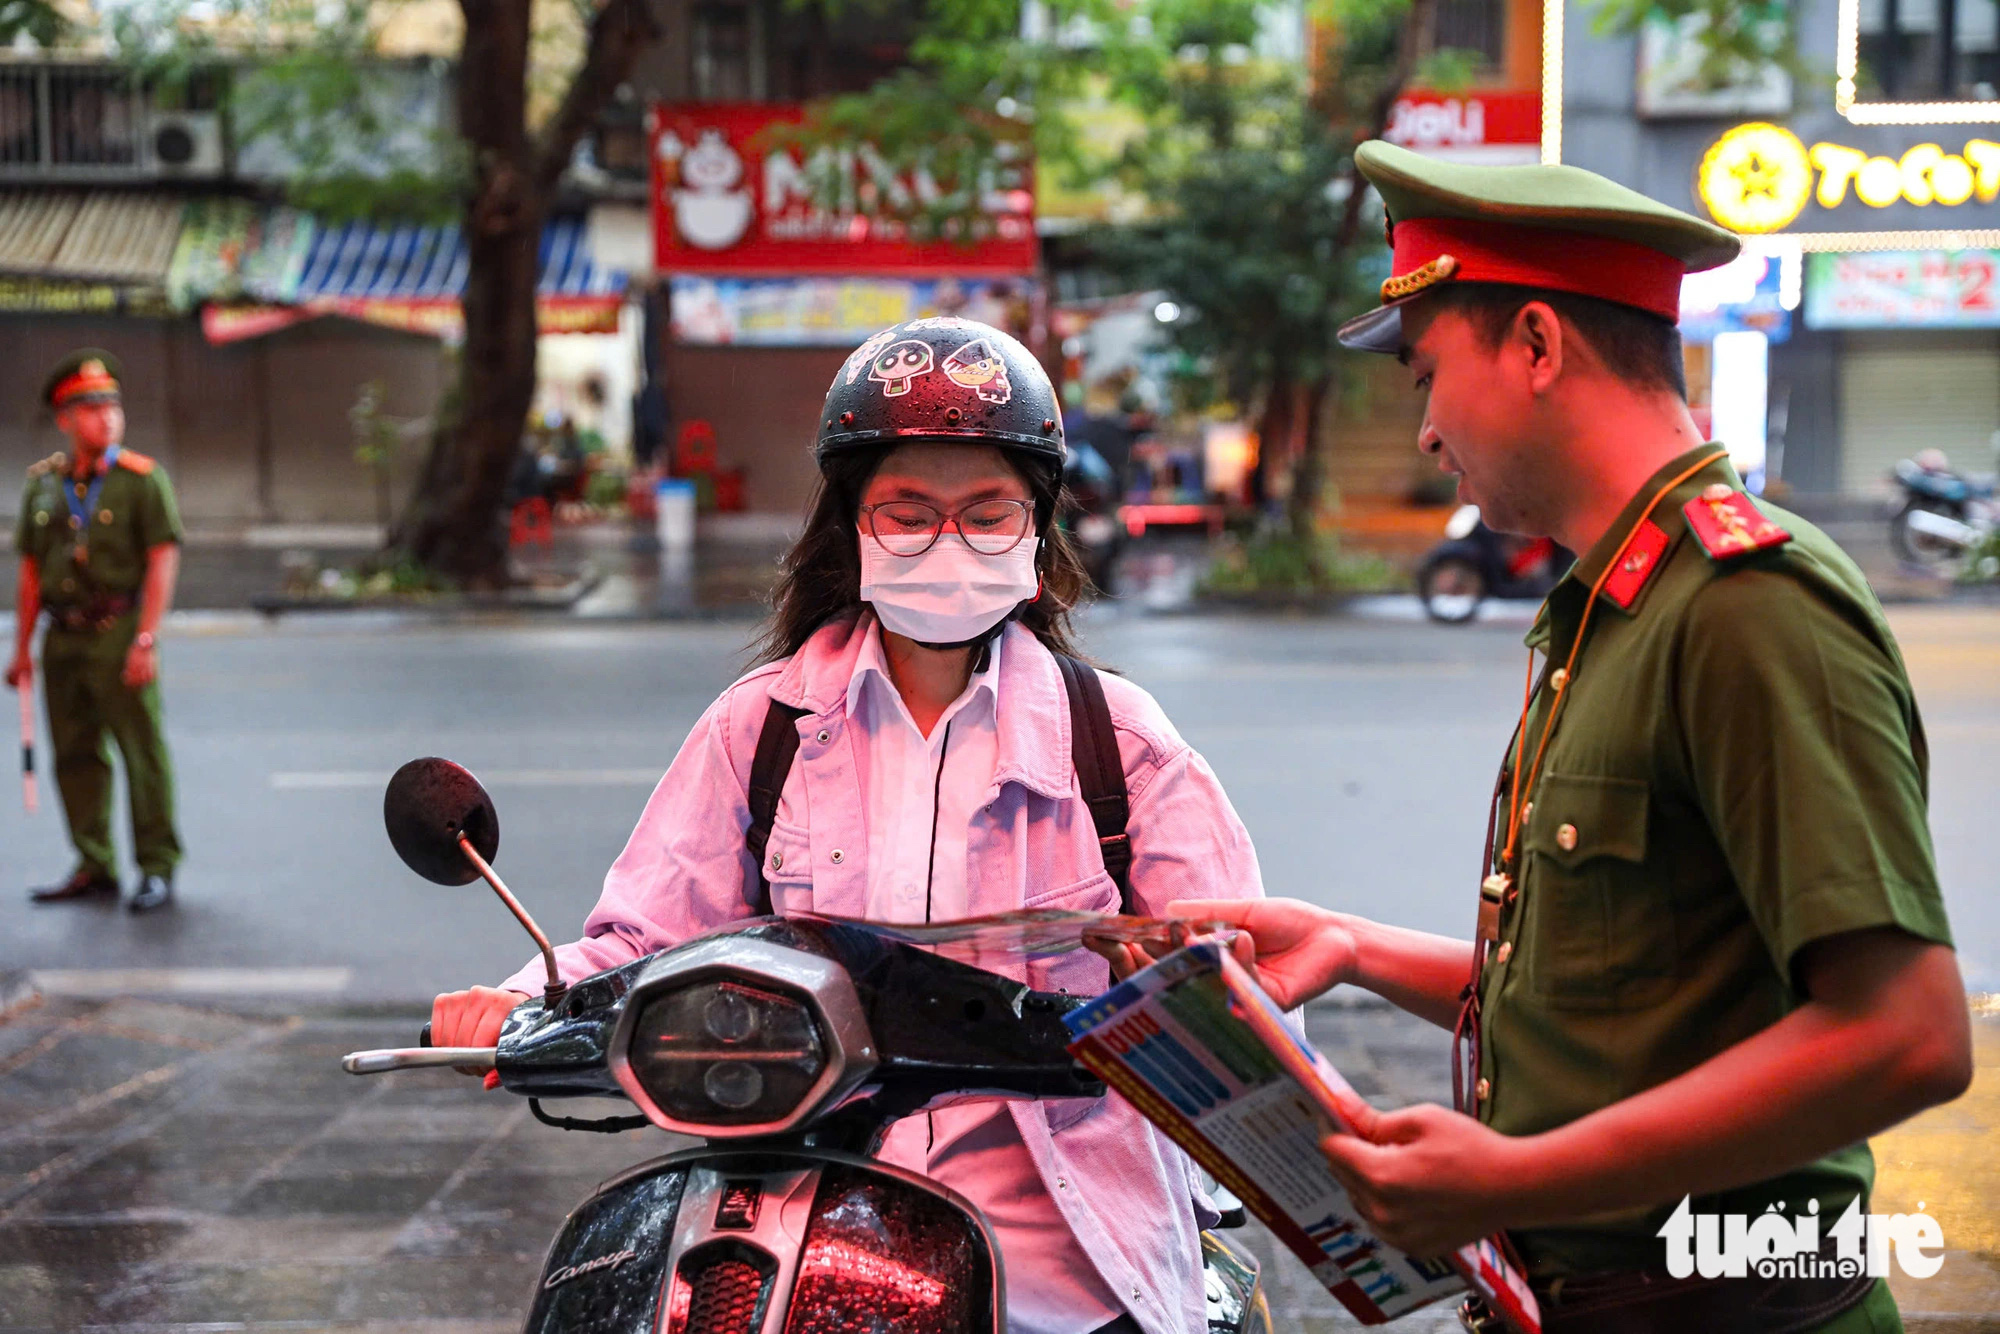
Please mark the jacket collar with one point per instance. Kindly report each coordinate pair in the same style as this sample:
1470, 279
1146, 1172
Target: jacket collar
1033, 724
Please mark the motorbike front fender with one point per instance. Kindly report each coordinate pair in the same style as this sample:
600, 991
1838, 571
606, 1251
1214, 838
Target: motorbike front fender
656, 1248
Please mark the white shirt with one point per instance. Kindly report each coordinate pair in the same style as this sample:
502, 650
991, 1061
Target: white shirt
920, 794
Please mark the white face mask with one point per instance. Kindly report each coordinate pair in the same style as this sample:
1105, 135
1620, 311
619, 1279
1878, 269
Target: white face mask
949, 594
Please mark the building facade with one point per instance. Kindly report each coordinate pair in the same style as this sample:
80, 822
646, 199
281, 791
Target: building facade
1868, 186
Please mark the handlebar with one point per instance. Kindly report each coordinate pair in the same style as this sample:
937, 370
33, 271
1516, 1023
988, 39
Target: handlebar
385, 1059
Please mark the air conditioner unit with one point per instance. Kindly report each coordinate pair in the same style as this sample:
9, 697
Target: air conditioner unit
186, 145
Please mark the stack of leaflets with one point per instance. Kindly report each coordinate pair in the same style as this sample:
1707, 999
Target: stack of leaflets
1195, 1044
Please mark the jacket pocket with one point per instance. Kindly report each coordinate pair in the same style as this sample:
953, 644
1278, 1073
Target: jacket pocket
788, 868
1599, 930
1097, 892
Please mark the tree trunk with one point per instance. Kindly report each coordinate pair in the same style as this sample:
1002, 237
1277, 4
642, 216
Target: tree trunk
455, 523
1274, 438
1309, 473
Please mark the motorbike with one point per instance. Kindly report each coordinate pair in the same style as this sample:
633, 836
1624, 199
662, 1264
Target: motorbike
786, 1045
1474, 563
1945, 516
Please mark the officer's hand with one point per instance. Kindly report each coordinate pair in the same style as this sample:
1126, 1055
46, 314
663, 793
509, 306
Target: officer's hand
1429, 1180
21, 672
141, 666
472, 1019
1299, 950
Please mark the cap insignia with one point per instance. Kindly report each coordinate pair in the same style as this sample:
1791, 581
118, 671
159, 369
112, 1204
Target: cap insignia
1416, 280
1729, 524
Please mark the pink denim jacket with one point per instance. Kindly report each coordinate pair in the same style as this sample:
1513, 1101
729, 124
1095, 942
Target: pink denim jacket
1126, 1189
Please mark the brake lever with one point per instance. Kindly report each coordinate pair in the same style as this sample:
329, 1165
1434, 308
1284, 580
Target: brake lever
385, 1059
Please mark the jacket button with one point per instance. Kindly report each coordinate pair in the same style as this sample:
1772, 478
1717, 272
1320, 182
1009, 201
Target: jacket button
1483, 1090
1566, 837
777, 861
1527, 812
1558, 679
1506, 951
838, 856
823, 737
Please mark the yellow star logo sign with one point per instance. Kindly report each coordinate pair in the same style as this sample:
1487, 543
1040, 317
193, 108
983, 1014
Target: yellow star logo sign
1756, 178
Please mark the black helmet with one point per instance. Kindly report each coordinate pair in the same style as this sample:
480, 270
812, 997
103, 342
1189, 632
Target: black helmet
942, 378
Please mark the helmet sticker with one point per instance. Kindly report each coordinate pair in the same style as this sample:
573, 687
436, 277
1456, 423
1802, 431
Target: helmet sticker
976, 366
864, 354
899, 363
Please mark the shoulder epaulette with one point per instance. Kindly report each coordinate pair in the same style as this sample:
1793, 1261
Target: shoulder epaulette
53, 463
138, 463
1728, 524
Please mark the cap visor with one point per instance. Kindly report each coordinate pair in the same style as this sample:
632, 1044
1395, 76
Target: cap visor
1378, 330
94, 396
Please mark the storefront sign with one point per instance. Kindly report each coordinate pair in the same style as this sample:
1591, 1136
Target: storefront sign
1489, 127
49, 296
1903, 289
729, 199
440, 318
1758, 177
1744, 295
832, 312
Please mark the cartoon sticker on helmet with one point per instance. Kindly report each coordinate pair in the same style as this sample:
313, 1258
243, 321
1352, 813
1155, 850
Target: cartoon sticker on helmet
863, 355
978, 367
899, 363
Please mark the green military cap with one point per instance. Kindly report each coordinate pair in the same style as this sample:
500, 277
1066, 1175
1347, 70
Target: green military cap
1561, 228
87, 375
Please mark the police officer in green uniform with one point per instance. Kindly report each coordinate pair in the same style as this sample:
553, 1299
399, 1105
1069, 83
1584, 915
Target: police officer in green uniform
99, 539
1711, 956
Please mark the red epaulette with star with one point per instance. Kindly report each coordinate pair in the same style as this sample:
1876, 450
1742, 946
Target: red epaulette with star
138, 463
1728, 524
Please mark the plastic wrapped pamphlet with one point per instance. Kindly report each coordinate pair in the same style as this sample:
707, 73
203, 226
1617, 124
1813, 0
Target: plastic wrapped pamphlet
1195, 1044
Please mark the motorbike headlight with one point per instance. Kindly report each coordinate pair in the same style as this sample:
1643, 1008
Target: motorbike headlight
725, 1053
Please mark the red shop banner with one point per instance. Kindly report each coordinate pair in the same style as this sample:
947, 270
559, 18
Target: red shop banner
729, 199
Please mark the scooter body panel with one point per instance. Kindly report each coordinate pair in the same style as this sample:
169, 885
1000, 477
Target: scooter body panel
757, 1240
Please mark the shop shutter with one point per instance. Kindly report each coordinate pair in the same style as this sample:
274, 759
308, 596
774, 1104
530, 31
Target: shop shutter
1905, 391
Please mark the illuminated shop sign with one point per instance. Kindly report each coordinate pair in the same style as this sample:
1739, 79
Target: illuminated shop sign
1759, 177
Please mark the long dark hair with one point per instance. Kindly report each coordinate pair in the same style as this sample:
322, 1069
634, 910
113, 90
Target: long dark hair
822, 571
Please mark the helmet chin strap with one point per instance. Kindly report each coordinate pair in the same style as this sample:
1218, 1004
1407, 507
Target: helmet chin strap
982, 641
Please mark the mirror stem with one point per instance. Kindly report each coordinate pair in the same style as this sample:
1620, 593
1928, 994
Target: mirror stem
556, 987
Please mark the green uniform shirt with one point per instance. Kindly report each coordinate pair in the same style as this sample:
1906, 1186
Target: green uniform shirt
134, 511
1740, 770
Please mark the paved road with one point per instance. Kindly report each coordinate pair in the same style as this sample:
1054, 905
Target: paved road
1359, 751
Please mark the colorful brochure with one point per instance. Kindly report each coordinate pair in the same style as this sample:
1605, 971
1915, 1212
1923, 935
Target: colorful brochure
1195, 1044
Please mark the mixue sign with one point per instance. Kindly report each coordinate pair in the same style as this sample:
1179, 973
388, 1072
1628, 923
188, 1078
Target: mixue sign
729, 197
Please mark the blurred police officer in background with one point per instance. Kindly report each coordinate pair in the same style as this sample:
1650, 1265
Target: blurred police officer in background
99, 539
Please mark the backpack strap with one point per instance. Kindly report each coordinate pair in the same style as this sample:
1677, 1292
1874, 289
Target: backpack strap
777, 747
1100, 772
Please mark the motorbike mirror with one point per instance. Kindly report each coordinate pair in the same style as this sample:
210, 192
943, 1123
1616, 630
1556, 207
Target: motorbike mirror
429, 804
443, 825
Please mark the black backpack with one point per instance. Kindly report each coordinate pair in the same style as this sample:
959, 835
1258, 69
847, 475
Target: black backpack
1100, 773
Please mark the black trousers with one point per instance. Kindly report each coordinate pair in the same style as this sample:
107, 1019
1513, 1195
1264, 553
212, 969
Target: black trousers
1124, 1324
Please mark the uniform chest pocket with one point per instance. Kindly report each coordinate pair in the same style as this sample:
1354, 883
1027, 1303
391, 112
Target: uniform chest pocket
1598, 930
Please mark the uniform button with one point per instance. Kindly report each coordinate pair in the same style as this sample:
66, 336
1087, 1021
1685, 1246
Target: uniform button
1062, 1183
1566, 837
838, 856
1558, 679
823, 737
1483, 1090
1528, 811
104, 516
1718, 491
41, 517
777, 861
1506, 951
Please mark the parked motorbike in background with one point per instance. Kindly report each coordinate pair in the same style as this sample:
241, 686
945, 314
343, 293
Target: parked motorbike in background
788, 1045
1475, 563
1945, 516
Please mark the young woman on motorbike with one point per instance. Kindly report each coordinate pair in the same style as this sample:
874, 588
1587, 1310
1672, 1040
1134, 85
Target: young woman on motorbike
915, 638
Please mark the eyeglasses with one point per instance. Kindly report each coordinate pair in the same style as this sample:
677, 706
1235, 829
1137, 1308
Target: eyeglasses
910, 527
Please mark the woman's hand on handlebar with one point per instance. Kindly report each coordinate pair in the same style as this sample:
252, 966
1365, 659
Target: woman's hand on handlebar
472, 1019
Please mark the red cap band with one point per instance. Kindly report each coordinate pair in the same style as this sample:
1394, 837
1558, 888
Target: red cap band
92, 379
1505, 252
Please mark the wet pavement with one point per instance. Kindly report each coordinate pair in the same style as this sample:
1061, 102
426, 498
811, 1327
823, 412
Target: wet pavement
187, 1166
